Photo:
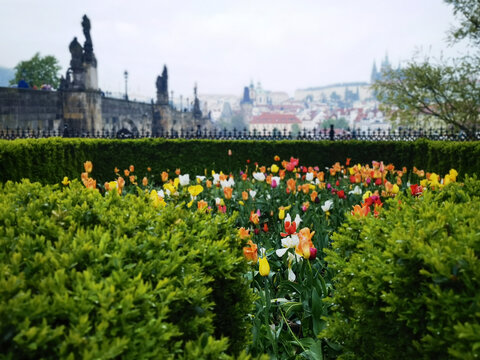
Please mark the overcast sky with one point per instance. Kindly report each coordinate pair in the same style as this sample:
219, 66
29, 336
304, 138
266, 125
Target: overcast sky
225, 44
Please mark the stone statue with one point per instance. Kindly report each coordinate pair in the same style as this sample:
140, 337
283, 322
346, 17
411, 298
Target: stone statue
86, 28
162, 82
77, 51
88, 56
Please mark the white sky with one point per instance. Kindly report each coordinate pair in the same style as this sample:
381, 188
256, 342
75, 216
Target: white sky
224, 44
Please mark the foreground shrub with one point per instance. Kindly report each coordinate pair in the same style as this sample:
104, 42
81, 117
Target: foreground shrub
87, 276
407, 282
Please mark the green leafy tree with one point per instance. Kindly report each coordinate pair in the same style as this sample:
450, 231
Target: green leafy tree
340, 123
38, 71
445, 93
468, 13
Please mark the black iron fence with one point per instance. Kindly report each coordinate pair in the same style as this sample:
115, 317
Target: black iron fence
400, 134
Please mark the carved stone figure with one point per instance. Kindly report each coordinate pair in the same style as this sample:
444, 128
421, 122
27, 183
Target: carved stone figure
77, 51
88, 56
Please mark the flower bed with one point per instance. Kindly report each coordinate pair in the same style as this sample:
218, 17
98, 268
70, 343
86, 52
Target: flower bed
285, 214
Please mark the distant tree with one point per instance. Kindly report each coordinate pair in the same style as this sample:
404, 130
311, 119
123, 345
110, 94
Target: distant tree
423, 91
38, 71
448, 91
340, 123
235, 122
295, 129
468, 13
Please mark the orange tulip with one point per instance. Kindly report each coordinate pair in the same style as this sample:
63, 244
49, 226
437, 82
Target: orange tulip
250, 252
291, 186
244, 195
202, 204
360, 210
304, 242
164, 176
208, 184
132, 179
177, 172
243, 233
254, 217
306, 188
88, 166
132, 168
228, 192
126, 172
313, 195
144, 181
121, 184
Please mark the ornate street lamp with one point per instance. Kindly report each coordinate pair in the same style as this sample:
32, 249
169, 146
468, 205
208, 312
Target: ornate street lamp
125, 74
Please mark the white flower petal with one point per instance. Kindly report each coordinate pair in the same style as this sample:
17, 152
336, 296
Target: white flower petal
281, 252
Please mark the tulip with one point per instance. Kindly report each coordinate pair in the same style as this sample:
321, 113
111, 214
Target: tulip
144, 181
65, 181
202, 204
304, 243
194, 190
327, 205
88, 166
259, 176
264, 267
132, 168
250, 252
164, 176
184, 179
228, 193
243, 233
274, 168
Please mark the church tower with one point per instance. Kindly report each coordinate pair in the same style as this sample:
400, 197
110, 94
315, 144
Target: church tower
374, 75
247, 106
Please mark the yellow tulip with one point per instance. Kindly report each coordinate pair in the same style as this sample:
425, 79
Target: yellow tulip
194, 190
366, 195
65, 181
274, 168
453, 175
264, 266
395, 189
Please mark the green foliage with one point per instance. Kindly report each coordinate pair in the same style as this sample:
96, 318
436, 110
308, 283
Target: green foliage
422, 92
87, 276
468, 12
49, 160
340, 123
38, 71
407, 282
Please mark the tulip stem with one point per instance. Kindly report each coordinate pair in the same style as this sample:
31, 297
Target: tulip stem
290, 329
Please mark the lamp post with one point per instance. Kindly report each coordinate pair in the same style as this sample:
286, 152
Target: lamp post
125, 74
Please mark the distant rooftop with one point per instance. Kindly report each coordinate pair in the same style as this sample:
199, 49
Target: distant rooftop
361, 83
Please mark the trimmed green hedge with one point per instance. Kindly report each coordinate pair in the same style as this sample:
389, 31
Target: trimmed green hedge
407, 283
92, 277
49, 160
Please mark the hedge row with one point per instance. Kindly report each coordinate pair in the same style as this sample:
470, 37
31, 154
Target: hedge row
407, 283
49, 160
86, 276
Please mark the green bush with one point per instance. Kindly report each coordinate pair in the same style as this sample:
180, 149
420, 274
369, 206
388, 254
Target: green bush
407, 282
49, 160
86, 276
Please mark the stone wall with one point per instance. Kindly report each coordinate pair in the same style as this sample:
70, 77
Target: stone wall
27, 108
133, 116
